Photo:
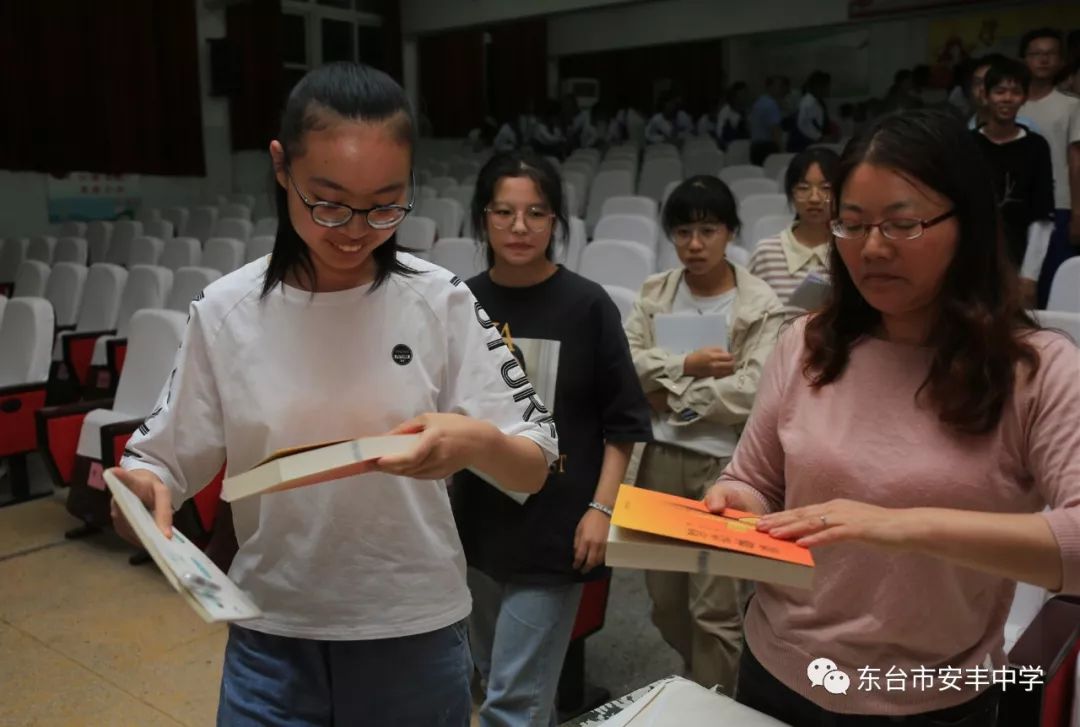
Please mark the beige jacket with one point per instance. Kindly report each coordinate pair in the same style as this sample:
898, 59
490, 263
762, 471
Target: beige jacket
757, 317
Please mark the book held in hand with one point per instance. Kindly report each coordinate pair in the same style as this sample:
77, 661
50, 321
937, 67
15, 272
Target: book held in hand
812, 292
656, 531
187, 569
313, 464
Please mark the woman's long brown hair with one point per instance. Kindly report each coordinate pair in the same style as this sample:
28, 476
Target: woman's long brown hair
980, 335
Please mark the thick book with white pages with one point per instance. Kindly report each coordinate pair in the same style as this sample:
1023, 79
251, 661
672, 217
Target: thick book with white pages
187, 569
313, 464
688, 332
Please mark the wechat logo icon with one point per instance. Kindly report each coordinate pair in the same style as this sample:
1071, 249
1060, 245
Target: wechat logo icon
823, 673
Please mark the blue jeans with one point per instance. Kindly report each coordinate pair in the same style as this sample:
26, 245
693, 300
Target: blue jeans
1059, 250
519, 636
414, 681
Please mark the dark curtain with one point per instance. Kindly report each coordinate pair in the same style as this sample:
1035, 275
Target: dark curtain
517, 68
627, 75
109, 86
452, 80
253, 30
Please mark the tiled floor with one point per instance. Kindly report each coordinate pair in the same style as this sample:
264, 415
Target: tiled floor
87, 639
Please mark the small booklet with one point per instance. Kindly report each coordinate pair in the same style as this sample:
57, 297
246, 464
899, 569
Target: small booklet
313, 464
688, 332
812, 292
187, 569
656, 531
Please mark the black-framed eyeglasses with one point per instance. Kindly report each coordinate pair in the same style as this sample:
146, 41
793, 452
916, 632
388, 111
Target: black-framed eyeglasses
897, 228
333, 214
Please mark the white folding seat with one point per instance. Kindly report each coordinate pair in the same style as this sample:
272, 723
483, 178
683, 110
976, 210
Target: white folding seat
619, 164
258, 247
738, 151
656, 174
224, 254
446, 213
623, 298
709, 161
740, 171
775, 162
73, 228
443, 185
146, 215
569, 244
12, 254
265, 226
671, 187
667, 256
743, 188
607, 184
630, 205
41, 248
617, 262
416, 233
738, 255
187, 283
753, 208
147, 286
426, 192
233, 211
632, 228
462, 194
25, 337
145, 251
233, 227
3, 304
1065, 287
65, 290
178, 216
31, 279
570, 197
98, 235
200, 223
161, 229
124, 231
463, 256
656, 151
73, 350
766, 227
248, 200
580, 183
180, 252
1065, 321
71, 250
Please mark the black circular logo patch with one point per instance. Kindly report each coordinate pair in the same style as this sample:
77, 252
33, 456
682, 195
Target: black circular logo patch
402, 354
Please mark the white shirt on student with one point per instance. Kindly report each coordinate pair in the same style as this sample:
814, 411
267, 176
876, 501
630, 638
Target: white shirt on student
506, 139
365, 557
658, 130
704, 437
811, 119
1058, 118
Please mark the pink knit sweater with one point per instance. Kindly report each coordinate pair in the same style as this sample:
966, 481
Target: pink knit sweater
865, 438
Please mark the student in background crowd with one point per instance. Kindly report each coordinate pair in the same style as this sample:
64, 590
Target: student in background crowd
981, 112
547, 136
661, 127
766, 117
700, 402
1058, 119
527, 562
730, 122
812, 121
784, 261
951, 424
505, 139
361, 581
1023, 179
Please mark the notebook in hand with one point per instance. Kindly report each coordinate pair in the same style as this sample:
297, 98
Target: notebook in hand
188, 570
687, 332
812, 292
313, 464
656, 531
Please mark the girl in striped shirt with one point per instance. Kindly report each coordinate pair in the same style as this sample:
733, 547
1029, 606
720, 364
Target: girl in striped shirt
784, 261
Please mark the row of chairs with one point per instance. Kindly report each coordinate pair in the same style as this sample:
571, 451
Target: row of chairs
201, 222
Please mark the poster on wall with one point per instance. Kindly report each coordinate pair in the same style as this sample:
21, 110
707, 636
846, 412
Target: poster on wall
87, 196
955, 38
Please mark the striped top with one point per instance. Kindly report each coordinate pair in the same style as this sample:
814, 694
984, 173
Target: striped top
783, 262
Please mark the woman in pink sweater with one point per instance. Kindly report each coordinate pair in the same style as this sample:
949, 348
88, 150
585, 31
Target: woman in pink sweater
911, 434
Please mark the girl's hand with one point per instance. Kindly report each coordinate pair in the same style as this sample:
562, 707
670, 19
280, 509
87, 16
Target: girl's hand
723, 495
839, 520
590, 540
149, 488
448, 443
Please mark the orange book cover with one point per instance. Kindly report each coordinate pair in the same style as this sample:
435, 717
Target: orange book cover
658, 513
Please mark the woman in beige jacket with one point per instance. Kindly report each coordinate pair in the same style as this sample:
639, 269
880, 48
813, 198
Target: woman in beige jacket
700, 402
